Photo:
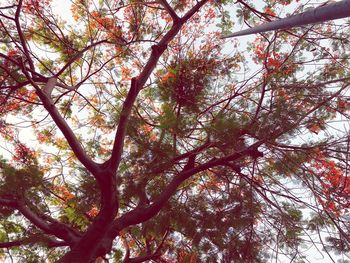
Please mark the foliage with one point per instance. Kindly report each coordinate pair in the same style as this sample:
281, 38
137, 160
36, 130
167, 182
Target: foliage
131, 132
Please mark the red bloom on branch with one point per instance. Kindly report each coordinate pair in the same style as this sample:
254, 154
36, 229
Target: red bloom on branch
334, 184
33, 6
23, 154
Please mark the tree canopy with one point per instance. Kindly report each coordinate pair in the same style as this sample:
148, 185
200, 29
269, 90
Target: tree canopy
131, 132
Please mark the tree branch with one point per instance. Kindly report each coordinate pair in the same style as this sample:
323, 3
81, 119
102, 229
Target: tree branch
55, 228
77, 56
33, 240
36, 76
7, 202
136, 86
60, 230
21, 37
138, 83
121, 130
15, 243
139, 215
62, 124
170, 10
149, 256
193, 10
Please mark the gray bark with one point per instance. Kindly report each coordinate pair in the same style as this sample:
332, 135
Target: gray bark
328, 12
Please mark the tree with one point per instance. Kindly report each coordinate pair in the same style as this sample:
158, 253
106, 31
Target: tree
129, 134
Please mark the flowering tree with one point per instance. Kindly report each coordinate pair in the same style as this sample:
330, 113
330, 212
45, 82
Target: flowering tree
130, 134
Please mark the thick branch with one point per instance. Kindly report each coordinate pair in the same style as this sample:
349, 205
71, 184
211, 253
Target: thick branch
7, 202
60, 230
63, 126
95, 242
33, 240
138, 83
136, 86
15, 243
68, 133
123, 121
37, 77
149, 256
140, 215
33, 217
193, 10
170, 10
21, 36
53, 227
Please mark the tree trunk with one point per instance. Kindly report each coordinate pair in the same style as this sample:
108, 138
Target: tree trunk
96, 241
321, 14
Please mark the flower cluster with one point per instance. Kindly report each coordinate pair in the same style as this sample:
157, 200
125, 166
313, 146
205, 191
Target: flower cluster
334, 184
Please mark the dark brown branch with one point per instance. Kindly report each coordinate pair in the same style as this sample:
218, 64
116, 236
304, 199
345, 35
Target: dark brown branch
139, 215
7, 7
123, 121
170, 10
136, 86
78, 55
193, 10
138, 83
150, 256
195, 151
33, 240
63, 126
37, 77
142, 258
52, 227
95, 242
56, 243
33, 217
21, 36
60, 230
15, 243
7, 202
